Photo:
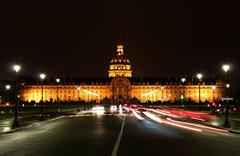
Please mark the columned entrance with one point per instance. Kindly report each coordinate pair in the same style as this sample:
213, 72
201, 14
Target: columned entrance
120, 87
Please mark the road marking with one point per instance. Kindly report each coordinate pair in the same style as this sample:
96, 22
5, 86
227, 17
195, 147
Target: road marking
115, 149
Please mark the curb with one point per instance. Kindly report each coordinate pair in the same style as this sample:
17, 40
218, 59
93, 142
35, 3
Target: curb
31, 125
235, 132
229, 130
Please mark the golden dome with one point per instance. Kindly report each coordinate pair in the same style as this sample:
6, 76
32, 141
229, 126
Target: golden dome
120, 64
120, 58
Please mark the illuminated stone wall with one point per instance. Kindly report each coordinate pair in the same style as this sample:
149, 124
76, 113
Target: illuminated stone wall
65, 93
175, 92
142, 92
115, 73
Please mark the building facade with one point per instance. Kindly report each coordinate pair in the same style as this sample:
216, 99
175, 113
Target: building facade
120, 87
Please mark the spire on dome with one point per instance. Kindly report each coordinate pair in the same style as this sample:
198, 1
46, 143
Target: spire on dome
120, 50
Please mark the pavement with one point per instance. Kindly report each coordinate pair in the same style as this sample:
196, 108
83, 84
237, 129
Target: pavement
114, 133
219, 122
235, 125
30, 119
6, 125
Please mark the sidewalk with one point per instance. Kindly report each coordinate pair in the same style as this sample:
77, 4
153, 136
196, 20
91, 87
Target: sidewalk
6, 125
24, 122
219, 122
235, 125
30, 120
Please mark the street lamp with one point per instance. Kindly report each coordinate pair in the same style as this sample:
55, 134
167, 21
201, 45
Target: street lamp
226, 68
199, 76
16, 68
58, 101
183, 81
58, 80
8, 87
78, 88
227, 85
42, 77
213, 89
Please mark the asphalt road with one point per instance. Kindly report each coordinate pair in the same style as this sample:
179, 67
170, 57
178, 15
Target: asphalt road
99, 135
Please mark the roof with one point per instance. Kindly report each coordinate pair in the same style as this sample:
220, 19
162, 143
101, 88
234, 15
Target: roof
107, 80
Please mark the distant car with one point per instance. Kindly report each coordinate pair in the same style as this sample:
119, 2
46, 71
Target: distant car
222, 110
7, 104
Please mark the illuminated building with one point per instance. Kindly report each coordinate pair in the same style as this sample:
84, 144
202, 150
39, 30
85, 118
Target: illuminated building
120, 86
120, 65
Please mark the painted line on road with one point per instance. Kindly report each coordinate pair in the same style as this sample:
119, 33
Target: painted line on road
115, 149
121, 116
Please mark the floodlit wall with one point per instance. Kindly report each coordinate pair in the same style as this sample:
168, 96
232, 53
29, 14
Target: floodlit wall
142, 92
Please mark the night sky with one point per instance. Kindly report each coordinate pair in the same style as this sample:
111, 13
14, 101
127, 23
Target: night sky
162, 38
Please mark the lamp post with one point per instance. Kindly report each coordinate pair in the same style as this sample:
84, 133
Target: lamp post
183, 92
16, 68
199, 76
226, 68
42, 77
162, 92
78, 109
213, 91
58, 101
8, 87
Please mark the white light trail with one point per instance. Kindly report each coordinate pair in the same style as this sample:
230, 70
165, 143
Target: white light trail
162, 112
98, 110
136, 114
197, 125
155, 118
120, 109
126, 108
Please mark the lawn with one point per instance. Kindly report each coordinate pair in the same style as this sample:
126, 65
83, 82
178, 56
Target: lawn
25, 111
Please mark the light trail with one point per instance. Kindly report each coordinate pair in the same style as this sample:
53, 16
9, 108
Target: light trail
166, 113
198, 119
155, 118
120, 109
197, 125
193, 115
99, 110
126, 108
136, 114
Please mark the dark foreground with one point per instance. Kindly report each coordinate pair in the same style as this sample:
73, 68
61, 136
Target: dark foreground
91, 134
